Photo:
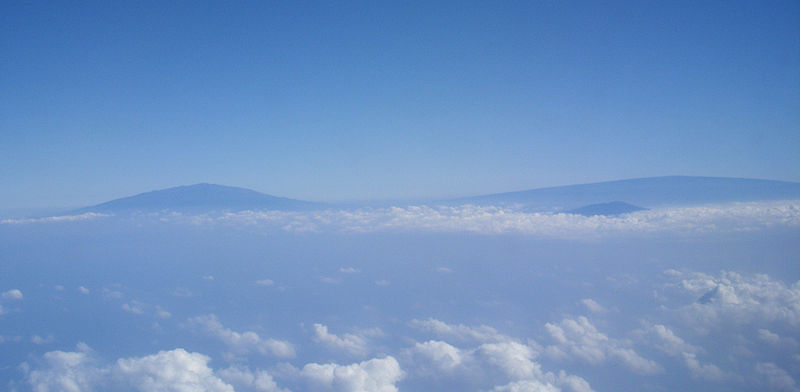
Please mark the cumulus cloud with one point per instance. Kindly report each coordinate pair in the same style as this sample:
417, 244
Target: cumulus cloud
490, 351
169, 371
83, 290
665, 340
374, 375
176, 370
36, 339
734, 298
705, 371
776, 378
349, 270
592, 306
133, 307
458, 332
65, 371
580, 339
244, 378
352, 344
526, 386
244, 342
12, 295
438, 355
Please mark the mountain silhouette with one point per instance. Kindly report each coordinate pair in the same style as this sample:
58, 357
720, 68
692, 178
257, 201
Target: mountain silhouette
650, 192
202, 197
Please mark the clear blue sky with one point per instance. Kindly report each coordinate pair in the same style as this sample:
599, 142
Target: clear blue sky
349, 100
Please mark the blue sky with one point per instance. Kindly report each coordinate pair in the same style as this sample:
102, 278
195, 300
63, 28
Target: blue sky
325, 101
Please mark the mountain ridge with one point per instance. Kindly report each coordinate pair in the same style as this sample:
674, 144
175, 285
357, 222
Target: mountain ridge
201, 196
646, 192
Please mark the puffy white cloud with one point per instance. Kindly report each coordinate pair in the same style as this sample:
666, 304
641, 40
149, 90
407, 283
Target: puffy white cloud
492, 351
13, 295
592, 306
666, 340
706, 371
133, 307
438, 355
375, 375
776, 378
580, 339
244, 342
36, 339
176, 370
244, 378
767, 336
459, 332
169, 371
733, 298
65, 372
526, 386
352, 344
774, 339
83, 290
162, 313
349, 270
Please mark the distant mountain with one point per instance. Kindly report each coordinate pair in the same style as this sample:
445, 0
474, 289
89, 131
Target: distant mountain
608, 209
202, 197
649, 192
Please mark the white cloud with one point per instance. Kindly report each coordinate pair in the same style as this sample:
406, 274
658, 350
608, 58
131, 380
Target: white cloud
666, 340
265, 282
375, 375
83, 290
459, 332
65, 372
349, 270
352, 344
134, 307
244, 342
730, 217
733, 298
382, 282
514, 359
242, 377
706, 371
63, 218
526, 386
36, 339
768, 337
592, 306
494, 352
438, 355
580, 339
13, 295
776, 378
162, 313
168, 371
